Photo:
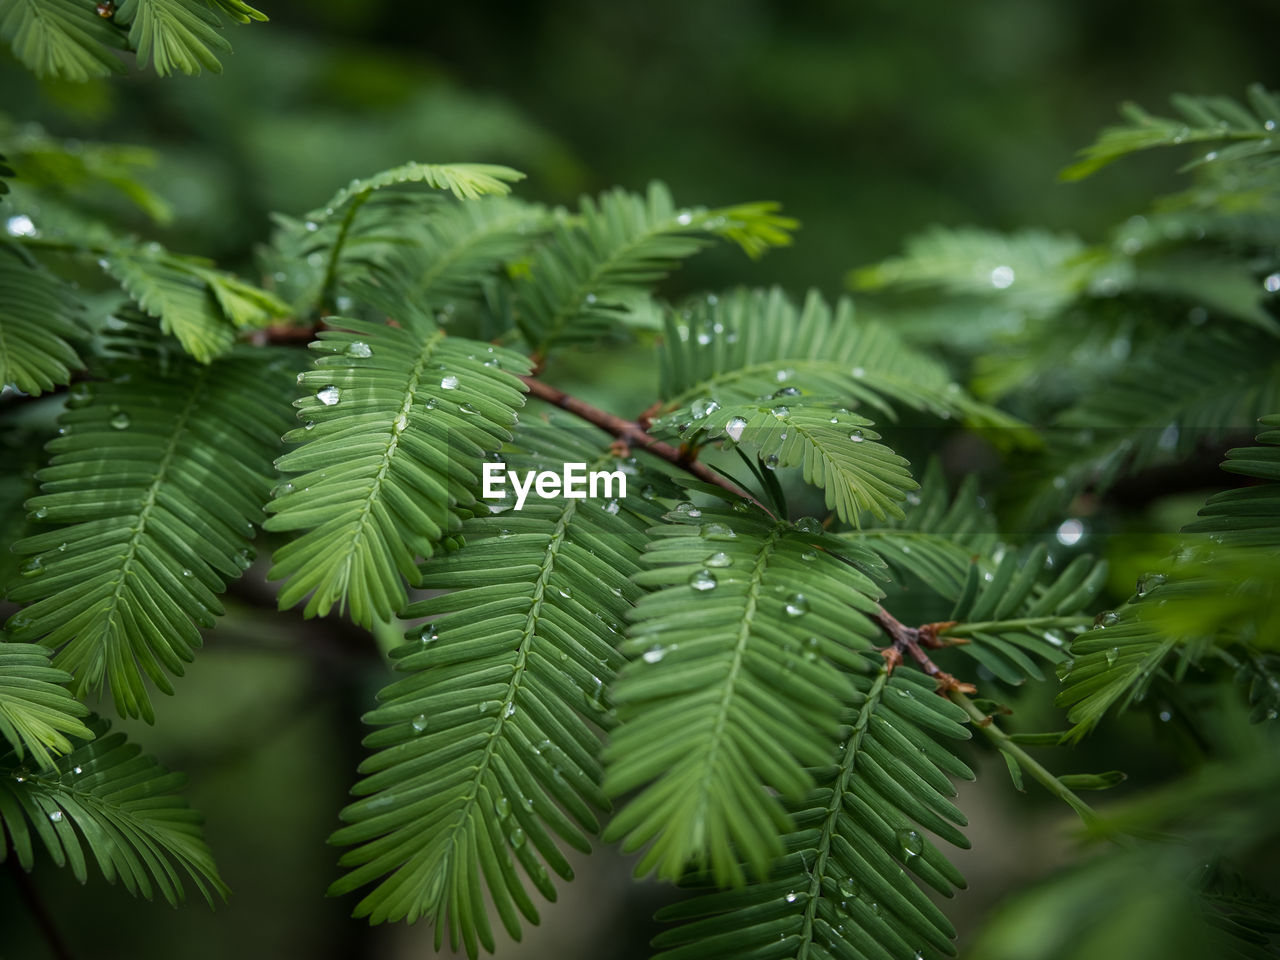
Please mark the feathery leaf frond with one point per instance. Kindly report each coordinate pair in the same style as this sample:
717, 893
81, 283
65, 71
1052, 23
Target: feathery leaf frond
734, 687
841, 888
488, 747
38, 321
1249, 130
122, 806
155, 486
1222, 592
396, 425
37, 713
181, 35
748, 344
836, 449
61, 38
585, 281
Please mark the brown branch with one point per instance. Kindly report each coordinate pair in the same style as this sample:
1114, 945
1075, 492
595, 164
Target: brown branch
908, 640
634, 435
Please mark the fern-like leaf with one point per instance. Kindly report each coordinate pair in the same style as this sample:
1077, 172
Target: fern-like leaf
180, 35
1220, 592
488, 745
198, 304
155, 484
39, 319
1248, 131
61, 38
749, 344
587, 279
123, 807
842, 889
397, 423
734, 688
37, 713
836, 449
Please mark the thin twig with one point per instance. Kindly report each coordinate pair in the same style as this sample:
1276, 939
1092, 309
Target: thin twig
908, 640
634, 435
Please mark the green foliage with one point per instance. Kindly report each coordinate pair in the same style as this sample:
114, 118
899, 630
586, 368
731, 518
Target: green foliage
39, 317
37, 713
488, 745
1248, 130
840, 890
122, 806
393, 435
757, 692
734, 689
71, 40
154, 486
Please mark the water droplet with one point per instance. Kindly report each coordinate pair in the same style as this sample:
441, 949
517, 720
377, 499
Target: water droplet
77, 769
611, 507
311, 226
1105, 619
703, 580
733, 429
186, 572
791, 896
516, 837
771, 462
703, 408
400, 423
1272, 283
39, 513
781, 411
120, 421
1149, 582
910, 843
467, 408
717, 531
809, 556
20, 226
719, 559
684, 219
56, 816
509, 710
857, 436
786, 392
654, 654
687, 509
848, 888
358, 348
1112, 654
449, 382
1002, 277
565, 592
502, 807
1070, 532
33, 567
647, 492
486, 707
419, 723
904, 693
1063, 669
328, 395
797, 605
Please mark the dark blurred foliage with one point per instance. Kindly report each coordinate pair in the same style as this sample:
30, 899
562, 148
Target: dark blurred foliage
868, 121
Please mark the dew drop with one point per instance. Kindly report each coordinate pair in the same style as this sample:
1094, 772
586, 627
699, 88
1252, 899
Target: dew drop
1272, 283
703, 580
120, 421
39, 513
719, 559
910, 843
467, 408
791, 897
360, 349
771, 462
516, 837
509, 710
611, 507
797, 605
717, 531
857, 436
56, 816
77, 770
1063, 669
1069, 532
647, 492
1149, 582
733, 429
1106, 618
781, 411
419, 723
32, 568
502, 807
1002, 277
702, 409
449, 382
328, 395
687, 509
1112, 655
654, 654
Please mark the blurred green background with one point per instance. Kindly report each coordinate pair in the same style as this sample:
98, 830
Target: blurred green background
868, 121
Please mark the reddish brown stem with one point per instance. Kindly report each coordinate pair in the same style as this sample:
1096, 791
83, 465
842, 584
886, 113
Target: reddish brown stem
634, 435
908, 640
